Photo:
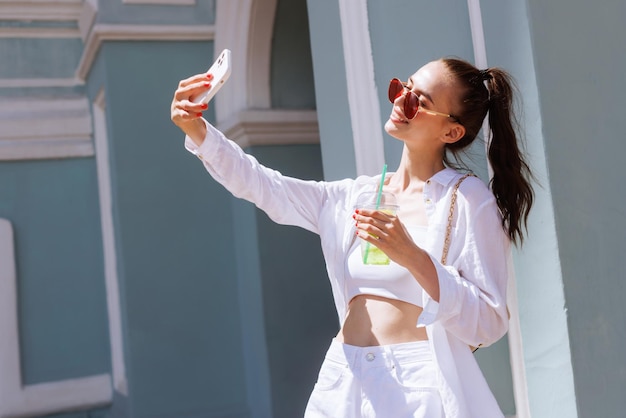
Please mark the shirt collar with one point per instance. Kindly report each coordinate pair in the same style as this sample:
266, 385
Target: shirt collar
445, 176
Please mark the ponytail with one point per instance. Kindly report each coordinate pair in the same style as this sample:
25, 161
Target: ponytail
491, 91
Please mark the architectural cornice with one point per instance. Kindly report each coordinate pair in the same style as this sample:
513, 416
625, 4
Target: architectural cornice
272, 127
50, 10
162, 2
42, 129
111, 32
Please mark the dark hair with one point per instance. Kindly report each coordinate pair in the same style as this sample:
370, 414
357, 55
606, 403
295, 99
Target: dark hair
491, 91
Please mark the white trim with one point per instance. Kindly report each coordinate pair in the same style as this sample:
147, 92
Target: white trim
87, 18
39, 33
108, 244
49, 10
516, 347
113, 32
45, 128
162, 2
18, 83
272, 127
17, 399
362, 94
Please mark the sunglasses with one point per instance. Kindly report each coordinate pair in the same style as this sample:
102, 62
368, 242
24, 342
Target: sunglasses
411, 101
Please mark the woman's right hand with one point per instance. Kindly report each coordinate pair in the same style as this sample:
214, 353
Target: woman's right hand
188, 115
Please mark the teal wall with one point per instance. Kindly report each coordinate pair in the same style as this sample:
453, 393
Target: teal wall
53, 206
180, 310
580, 78
300, 317
114, 11
291, 78
331, 93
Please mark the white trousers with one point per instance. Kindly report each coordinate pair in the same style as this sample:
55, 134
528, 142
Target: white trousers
391, 381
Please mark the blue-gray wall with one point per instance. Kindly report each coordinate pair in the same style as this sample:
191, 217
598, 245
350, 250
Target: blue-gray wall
577, 51
53, 206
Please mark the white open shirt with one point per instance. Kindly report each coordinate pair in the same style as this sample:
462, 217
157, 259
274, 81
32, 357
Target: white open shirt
472, 303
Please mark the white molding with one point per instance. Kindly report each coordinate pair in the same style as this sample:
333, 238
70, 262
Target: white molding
259, 54
112, 32
118, 363
16, 399
87, 18
272, 127
162, 2
49, 10
362, 93
45, 128
249, 84
39, 82
233, 16
39, 33
516, 346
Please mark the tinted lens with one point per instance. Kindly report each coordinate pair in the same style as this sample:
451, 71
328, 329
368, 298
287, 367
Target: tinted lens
411, 104
411, 101
395, 89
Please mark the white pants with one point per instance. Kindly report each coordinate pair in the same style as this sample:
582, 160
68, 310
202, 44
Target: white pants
391, 381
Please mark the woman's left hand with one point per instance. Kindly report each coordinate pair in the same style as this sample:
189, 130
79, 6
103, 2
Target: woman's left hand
386, 232
389, 234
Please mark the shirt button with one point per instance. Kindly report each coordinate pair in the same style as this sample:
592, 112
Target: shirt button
427, 181
199, 156
370, 357
428, 201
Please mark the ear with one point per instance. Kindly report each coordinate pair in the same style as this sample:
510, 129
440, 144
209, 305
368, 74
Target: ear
455, 132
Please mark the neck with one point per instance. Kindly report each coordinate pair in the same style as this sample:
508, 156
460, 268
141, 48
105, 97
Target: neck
415, 168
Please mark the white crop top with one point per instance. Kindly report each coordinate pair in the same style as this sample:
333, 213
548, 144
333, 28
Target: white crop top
390, 281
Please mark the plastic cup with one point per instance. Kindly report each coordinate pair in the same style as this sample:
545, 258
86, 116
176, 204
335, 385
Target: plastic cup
371, 254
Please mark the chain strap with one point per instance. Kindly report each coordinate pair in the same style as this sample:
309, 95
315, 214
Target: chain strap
446, 242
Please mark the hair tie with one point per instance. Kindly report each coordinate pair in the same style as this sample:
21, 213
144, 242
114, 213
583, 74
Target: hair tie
484, 74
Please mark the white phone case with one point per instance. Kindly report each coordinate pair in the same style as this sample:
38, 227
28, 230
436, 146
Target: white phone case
221, 71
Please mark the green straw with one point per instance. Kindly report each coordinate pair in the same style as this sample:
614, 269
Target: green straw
378, 197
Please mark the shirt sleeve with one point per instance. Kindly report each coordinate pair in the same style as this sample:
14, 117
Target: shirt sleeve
286, 200
472, 291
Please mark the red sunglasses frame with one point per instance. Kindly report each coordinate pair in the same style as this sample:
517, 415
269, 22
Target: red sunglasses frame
411, 106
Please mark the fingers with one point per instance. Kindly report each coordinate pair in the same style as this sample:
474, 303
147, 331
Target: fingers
183, 108
374, 225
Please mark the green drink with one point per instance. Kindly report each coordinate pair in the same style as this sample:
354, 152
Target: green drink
371, 254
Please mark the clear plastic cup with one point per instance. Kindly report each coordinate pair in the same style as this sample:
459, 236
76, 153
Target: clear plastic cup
371, 254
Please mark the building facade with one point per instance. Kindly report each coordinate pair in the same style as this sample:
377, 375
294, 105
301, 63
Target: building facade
132, 285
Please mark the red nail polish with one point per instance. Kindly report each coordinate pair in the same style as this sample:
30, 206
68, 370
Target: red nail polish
356, 211
199, 115
207, 84
205, 106
353, 216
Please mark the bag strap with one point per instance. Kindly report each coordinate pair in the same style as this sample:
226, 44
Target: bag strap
446, 241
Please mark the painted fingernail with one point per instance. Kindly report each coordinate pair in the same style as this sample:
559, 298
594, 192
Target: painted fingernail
353, 216
205, 106
207, 84
356, 211
209, 76
199, 115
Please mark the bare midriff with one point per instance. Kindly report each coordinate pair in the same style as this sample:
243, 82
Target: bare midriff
374, 320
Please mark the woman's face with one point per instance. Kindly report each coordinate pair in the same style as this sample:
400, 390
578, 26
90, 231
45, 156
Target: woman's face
435, 89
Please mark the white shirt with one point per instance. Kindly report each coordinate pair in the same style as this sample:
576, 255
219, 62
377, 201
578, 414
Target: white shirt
472, 302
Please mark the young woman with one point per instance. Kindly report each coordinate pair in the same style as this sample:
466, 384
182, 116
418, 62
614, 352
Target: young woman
403, 349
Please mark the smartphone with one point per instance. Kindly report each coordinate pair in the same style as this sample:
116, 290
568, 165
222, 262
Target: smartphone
221, 71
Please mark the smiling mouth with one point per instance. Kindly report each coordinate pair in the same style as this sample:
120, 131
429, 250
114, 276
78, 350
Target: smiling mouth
396, 118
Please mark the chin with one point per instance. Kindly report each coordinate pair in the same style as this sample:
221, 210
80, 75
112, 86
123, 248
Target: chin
392, 129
